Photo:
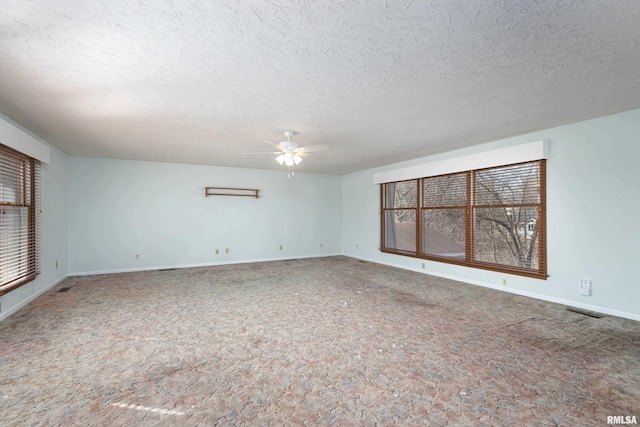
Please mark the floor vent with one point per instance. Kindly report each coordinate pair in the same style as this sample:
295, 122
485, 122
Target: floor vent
63, 289
585, 312
364, 262
167, 269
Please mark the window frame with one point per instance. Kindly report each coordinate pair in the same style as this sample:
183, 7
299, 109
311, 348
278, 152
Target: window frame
30, 185
470, 227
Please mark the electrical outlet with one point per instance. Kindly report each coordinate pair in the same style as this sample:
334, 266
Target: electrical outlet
217, 251
280, 247
504, 282
227, 250
56, 264
585, 287
423, 265
137, 256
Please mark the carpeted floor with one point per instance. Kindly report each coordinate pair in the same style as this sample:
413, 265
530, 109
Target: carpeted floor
327, 341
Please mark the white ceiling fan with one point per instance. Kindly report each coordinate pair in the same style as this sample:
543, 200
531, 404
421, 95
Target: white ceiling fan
289, 153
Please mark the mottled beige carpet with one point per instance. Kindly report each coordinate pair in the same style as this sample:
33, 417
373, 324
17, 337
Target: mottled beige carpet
327, 341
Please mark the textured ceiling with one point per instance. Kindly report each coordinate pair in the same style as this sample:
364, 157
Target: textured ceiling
377, 81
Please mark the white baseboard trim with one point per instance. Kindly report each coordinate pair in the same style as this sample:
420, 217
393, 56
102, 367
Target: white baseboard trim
594, 308
26, 301
204, 264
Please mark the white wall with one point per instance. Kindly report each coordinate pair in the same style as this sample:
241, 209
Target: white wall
593, 190
53, 226
116, 209
120, 208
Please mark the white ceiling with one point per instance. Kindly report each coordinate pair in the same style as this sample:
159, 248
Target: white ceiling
200, 81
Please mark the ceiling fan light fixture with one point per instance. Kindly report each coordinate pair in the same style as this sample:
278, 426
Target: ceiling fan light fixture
289, 153
288, 159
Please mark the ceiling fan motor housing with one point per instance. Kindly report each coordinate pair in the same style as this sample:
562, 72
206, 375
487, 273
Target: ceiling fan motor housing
288, 145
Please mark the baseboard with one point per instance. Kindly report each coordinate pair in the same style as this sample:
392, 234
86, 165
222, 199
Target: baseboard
595, 308
205, 264
26, 301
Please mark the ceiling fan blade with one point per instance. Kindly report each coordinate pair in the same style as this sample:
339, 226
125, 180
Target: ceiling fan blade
277, 146
265, 152
313, 148
306, 155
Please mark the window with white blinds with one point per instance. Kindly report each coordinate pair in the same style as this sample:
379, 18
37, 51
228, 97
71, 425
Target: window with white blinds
19, 210
491, 218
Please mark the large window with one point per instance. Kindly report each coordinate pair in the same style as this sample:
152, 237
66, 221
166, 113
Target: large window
19, 191
490, 218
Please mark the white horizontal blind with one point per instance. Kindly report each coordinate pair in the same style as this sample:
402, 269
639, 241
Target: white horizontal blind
19, 198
